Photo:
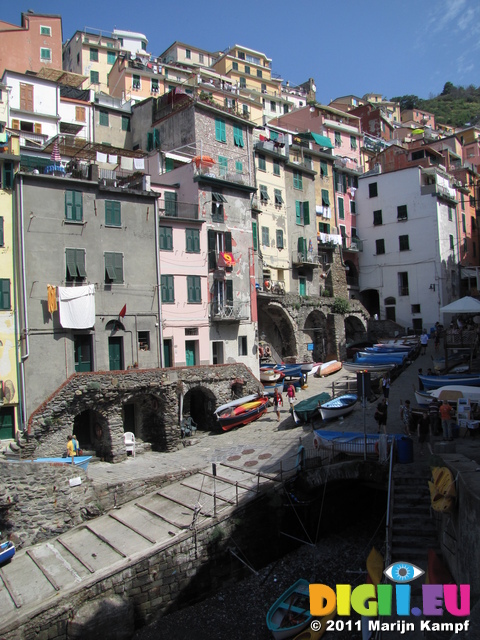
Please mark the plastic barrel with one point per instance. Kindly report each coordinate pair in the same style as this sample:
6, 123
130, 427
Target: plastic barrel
404, 450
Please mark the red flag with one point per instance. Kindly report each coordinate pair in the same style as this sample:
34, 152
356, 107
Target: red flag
123, 311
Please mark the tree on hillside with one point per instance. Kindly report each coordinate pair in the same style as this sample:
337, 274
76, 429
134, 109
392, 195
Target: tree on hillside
407, 102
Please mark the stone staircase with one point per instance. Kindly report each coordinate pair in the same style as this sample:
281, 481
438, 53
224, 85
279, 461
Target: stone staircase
18, 449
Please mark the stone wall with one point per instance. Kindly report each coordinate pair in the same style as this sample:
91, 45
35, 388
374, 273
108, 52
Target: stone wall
155, 393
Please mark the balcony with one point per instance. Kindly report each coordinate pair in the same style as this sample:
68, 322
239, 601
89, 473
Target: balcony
180, 210
229, 311
445, 193
352, 244
305, 258
272, 287
271, 146
221, 173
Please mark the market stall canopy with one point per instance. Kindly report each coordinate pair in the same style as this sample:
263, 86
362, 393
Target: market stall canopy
463, 305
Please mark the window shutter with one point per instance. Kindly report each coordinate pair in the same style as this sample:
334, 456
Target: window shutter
80, 262
341, 209
156, 138
220, 133
255, 235
118, 257
170, 203
5, 293
306, 213
301, 245
168, 164
279, 239
71, 263
228, 241
149, 141
325, 198
110, 266
212, 259
229, 291
69, 205
2, 238
298, 212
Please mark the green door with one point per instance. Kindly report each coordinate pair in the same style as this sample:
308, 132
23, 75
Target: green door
7, 420
83, 353
115, 353
190, 353
167, 353
302, 287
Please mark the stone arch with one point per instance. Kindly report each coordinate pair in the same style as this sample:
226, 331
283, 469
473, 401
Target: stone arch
355, 329
146, 415
316, 333
371, 301
275, 323
93, 433
199, 403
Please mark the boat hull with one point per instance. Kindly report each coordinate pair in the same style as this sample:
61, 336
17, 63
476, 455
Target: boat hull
354, 367
337, 407
434, 382
7, 551
328, 368
78, 461
290, 614
307, 409
242, 414
352, 443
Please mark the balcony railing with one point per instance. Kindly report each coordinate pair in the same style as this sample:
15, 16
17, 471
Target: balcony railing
229, 311
305, 257
184, 210
270, 145
441, 192
352, 244
223, 173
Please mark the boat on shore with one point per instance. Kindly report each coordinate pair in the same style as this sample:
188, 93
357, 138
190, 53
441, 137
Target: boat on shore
465, 379
340, 406
243, 413
442, 393
290, 614
354, 367
269, 387
78, 461
290, 370
306, 410
236, 402
327, 368
382, 358
269, 374
353, 443
7, 551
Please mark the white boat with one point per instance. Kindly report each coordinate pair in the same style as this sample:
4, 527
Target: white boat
327, 368
269, 375
338, 406
236, 403
346, 442
425, 397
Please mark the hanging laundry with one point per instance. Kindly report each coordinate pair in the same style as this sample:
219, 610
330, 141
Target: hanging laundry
139, 164
51, 298
101, 157
77, 306
112, 159
126, 163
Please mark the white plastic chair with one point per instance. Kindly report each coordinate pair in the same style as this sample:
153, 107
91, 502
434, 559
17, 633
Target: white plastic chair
129, 442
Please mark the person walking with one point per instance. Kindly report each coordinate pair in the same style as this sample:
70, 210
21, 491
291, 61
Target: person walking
277, 403
445, 412
406, 416
291, 395
386, 386
423, 431
424, 342
381, 415
433, 409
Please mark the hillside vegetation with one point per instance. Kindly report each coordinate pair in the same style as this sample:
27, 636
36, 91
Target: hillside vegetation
456, 106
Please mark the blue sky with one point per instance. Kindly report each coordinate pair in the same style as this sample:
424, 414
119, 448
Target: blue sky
350, 47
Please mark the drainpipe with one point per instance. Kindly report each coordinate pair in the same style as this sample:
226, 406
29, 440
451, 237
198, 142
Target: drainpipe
25, 356
159, 291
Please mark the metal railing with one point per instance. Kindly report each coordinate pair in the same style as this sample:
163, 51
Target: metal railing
229, 311
305, 257
185, 210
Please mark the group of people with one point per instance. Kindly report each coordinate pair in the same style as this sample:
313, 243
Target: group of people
73, 447
278, 399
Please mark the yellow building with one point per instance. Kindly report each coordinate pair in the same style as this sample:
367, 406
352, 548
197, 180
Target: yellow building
9, 381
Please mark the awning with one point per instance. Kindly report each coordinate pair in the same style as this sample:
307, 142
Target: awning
322, 141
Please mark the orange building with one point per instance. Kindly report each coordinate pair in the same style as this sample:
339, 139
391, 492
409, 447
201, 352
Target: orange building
35, 44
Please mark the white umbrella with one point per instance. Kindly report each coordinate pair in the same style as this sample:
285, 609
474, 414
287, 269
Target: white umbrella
463, 305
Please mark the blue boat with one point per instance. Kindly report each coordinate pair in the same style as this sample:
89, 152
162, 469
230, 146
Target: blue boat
290, 614
372, 358
337, 407
377, 349
464, 379
307, 409
7, 551
78, 461
348, 442
290, 370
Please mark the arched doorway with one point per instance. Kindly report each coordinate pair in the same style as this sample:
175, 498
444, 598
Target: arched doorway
371, 301
355, 330
316, 329
93, 434
275, 327
199, 403
390, 312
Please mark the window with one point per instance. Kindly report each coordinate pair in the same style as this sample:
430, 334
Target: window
380, 246
403, 243
238, 136
245, 110
377, 218
323, 169
154, 86
188, 54
255, 235
464, 223
201, 58
218, 242
153, 140
416, 308
144, 340
242, 346
243, 83
165, 238
171, 204
273, 106
113, 213
259, 73
247, 70
194, 291
111, 57
5, 302
297, 180
136, 81
220, 133
276, 167
264, 197
324, 227
113, 268
167, 289
338, 139
125, 123
265, 237
80, 114
235, 66
93, 54
218, 212
262, 163
238, 166
103, 118
325, 198
2, 235
8, 174
94, 77
341, 209
45, 31
452, 245
279, 235
75, 264
372, 190
73, 206
353, 206
302, 212
263, 87
403, 283
278, 196
192, 240
402, 212
45, 55
285, 108
353, 143
450, 213
222, 166
240, 55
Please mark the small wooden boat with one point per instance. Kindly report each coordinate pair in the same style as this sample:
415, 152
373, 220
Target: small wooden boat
306, 410
290, 370
338, 406
444, 393
327, 368
290, 614
269, 375
352, 443
269, 387
443, 492
466, 379
354, 367
7, 551
242, 414
78, 461
383, 358
236, 402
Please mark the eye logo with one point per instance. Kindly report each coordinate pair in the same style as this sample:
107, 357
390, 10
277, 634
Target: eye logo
402, 572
